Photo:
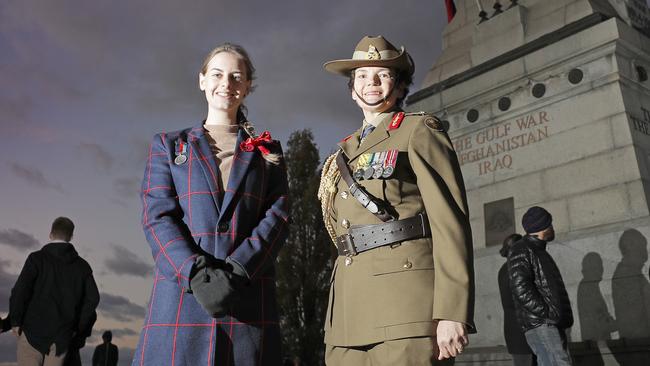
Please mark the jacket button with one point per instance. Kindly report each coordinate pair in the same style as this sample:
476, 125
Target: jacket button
223, 227
345, 223
408, 265
344, 195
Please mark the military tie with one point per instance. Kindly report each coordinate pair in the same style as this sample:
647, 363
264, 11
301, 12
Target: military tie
366, 131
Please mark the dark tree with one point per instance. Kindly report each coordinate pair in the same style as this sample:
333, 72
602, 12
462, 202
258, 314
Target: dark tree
305, 262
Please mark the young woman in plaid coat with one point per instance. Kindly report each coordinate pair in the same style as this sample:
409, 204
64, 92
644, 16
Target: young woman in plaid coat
215, 213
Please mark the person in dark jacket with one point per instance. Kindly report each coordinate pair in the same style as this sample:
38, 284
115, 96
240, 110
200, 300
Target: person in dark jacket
516, 343
541, 301
106, 354
53, 301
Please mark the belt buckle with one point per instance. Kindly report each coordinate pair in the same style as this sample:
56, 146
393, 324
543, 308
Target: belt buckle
348, 247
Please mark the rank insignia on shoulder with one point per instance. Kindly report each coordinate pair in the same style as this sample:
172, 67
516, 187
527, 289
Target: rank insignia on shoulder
396, 121
434, 124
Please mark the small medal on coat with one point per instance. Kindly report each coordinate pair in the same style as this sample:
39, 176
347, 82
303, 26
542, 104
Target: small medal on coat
369, 169
377, 165
378, 171
362, 164
389, 163
368, 172
180, 150
180, 159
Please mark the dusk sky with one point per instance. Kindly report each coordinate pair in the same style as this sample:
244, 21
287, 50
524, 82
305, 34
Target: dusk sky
86, 84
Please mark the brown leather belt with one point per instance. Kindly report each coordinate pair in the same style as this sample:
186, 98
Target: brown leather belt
365, 237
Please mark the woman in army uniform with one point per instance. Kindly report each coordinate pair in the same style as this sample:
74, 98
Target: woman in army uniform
394, 204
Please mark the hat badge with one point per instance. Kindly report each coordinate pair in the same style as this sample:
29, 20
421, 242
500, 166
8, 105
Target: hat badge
372, 53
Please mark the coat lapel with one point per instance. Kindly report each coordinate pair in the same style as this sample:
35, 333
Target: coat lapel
201, 149
350, 144
378, 135
240, 163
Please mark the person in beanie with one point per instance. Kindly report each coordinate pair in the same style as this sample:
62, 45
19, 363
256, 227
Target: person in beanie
541, 301
516, 343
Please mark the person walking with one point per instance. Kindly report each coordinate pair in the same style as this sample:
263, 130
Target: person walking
53, 301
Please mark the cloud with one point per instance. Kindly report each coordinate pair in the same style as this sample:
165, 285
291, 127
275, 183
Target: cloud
139, 147
100, 156
126, 356
127, 187
125, 262
117, 333
120, 308
103, 77
7, 281
34, 177
18, 239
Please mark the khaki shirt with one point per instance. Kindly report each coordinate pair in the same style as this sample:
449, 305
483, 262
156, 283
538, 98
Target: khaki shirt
397, 291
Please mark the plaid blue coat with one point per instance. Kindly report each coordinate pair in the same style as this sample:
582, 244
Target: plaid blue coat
186, 214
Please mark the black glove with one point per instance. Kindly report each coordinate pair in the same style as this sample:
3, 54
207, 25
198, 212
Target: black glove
214, 285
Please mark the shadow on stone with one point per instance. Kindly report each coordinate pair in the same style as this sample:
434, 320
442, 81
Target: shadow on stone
595, 321
631, 295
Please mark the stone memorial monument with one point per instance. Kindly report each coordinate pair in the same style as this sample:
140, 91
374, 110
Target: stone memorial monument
547, 103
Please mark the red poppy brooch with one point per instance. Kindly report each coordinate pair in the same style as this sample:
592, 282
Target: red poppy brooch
261, 142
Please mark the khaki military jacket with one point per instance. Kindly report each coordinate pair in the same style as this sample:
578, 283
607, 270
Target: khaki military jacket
397, 291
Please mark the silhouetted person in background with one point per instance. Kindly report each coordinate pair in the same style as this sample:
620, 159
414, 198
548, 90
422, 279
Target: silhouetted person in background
630, 288
596, 323
541, 301
53, 301
106, 354
516, 343
631, 294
